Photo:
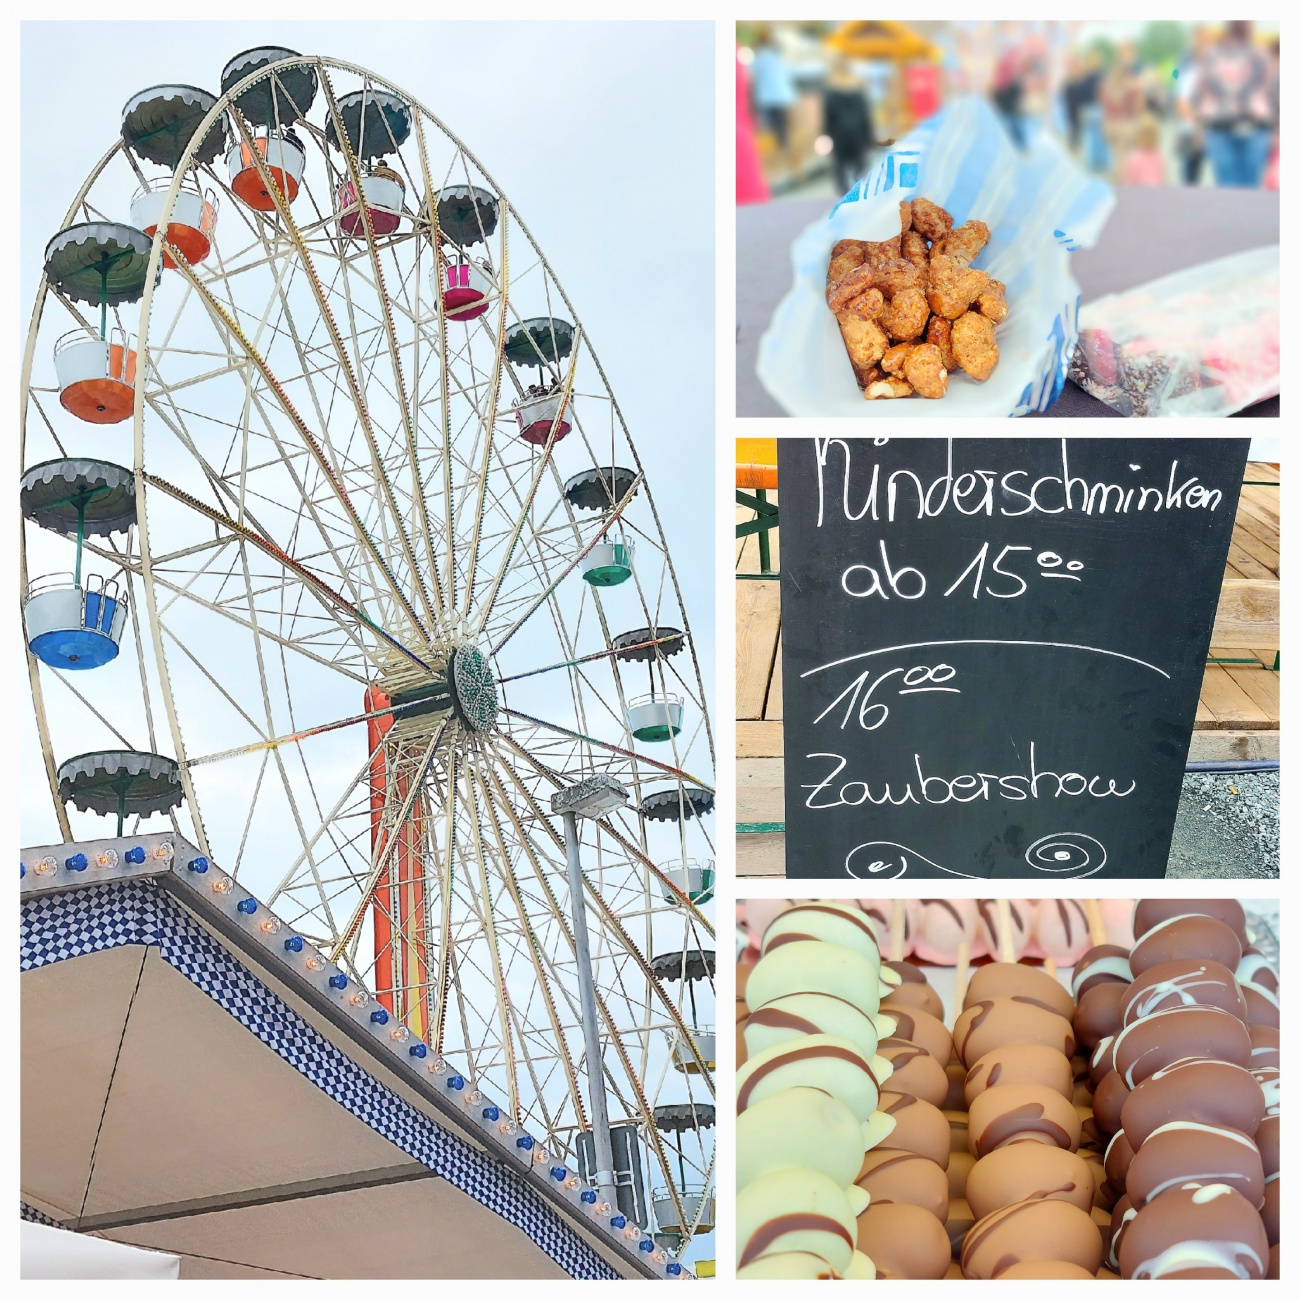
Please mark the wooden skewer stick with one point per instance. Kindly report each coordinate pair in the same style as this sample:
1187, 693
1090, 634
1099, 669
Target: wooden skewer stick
1006, 938
897, 929
1049, 965
1096, 926
963, 976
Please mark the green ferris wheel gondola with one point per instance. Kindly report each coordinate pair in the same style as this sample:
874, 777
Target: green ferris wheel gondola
467, 214
104, 263
159, 123
280, 99
538, 341
121, 782
677, 804
599, 488
376, 123
78, 496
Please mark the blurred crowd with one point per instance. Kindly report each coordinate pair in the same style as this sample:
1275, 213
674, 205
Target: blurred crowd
1160, 103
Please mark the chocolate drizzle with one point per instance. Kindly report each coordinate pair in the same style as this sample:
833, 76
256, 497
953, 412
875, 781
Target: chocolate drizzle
766, 1233
817, 1052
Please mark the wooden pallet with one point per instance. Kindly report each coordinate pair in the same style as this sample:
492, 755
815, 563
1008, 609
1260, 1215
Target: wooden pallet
1237, 716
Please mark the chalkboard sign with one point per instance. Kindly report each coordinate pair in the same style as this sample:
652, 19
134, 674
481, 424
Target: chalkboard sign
992, 649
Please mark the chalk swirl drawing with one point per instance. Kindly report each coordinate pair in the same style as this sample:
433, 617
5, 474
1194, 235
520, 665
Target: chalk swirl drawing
1064, 853
891, 861
1067, 853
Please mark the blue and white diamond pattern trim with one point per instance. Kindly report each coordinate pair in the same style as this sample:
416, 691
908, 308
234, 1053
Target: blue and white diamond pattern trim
56, 927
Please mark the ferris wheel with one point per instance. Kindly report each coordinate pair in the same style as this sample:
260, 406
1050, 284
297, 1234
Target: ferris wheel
362, 570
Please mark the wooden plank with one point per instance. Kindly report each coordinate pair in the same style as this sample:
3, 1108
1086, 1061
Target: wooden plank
759, 740
1223, 746
1254, 519
760, 856
760, 791
757, 627
1263, 687
1263, 500
1204, 715
1263, 549
774, 709
1259, 469
1249, 558
1267, 656
1231, 706
1248, 614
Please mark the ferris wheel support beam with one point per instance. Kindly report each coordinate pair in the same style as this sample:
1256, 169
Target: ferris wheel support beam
616, 1041
384, 856
272, 187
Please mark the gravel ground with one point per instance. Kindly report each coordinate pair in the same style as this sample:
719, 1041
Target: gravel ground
1227, 827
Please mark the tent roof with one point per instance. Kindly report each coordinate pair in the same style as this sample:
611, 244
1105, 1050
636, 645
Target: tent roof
179, 1095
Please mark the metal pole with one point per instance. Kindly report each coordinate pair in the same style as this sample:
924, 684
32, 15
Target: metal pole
590, 1025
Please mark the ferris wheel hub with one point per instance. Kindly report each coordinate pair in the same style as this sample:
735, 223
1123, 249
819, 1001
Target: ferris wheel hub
473, 689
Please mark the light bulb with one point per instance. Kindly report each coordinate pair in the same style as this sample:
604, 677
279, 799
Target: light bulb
399, 1033
438, 1066
162, 852
47, 866
222, 885
603, 1209
658, 1257
135, 855
315, 962
358, 998
540, 1157
571, 1184
106, 858
270, 926
474, 1098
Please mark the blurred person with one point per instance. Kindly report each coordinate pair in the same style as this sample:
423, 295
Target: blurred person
1009, 90
1122, 103
1234, 100
1071, 104
1087, 95
750, 185
846, 118
1190, 139
1145, 164
774, 94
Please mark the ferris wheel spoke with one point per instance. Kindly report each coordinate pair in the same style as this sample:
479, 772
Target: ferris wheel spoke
613, 517
543, 983
332, 599
288, 880
345, 362
384, 857
390, 335
600, 744
218, 311
489, 921
538, 473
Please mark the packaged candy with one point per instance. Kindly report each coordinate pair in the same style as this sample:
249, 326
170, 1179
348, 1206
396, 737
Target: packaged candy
1203, 341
